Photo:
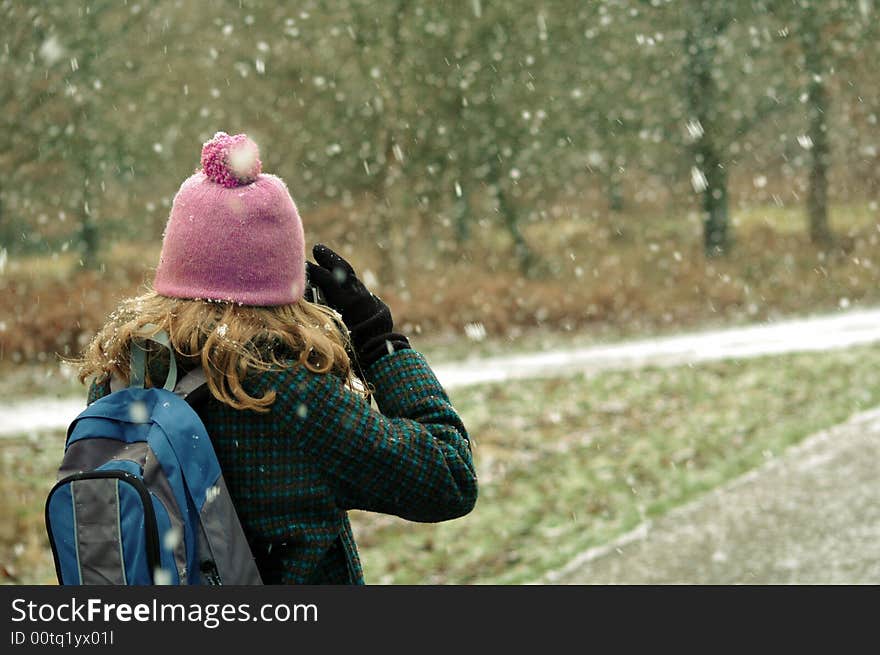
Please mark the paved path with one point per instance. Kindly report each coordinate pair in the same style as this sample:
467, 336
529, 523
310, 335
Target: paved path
839, 330
810, 516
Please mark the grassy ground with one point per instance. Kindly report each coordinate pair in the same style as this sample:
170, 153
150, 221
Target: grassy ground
564, 464
27, 472
568, 464
845, 219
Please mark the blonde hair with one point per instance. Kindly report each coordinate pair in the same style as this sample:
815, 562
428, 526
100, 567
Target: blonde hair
227, 339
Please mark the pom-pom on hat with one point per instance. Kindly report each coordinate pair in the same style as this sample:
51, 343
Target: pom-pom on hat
234, 233
231, 160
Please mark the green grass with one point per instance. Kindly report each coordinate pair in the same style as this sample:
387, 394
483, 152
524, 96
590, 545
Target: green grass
571, 463
564, 464
842, 218
27, 473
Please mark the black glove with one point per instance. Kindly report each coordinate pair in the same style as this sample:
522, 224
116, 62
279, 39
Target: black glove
367, 318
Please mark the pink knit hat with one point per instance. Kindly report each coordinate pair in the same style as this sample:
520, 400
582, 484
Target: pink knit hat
234, 234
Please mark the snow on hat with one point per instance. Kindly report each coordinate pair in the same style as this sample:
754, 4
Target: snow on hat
234, 233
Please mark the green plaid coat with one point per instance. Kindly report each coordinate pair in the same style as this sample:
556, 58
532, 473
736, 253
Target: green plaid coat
294, 472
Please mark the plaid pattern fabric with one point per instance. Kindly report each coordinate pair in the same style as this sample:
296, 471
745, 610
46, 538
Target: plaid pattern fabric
322, 450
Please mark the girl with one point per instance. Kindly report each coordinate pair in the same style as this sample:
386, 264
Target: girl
299, 446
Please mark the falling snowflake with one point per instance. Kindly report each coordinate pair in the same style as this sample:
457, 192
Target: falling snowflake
698, 180
211, 493
694, 129
475, 331
161, 576
138, 412
172, 538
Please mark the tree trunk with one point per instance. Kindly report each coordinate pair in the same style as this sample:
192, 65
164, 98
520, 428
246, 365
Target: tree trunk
88, 242
386, 242
7, 229
614, 189
612, 171
462, 210
818, 104
87, 234
526, 259
521, 248
524, 256
715, 206
393, 229
817, 194
700, 44
388, 238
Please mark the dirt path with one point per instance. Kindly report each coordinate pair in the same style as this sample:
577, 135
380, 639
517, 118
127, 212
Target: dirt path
810, 516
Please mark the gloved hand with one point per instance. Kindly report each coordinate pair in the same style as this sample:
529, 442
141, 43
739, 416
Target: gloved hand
367, 318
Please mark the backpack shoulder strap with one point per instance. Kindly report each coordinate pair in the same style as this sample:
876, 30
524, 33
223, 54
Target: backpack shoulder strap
193, 387
138, 360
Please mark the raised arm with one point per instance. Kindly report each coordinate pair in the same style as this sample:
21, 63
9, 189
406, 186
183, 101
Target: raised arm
411, 459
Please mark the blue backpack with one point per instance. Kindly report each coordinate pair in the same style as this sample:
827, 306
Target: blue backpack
140, 498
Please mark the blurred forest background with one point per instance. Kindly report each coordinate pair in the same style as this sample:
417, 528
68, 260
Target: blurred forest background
621, 164
508, 175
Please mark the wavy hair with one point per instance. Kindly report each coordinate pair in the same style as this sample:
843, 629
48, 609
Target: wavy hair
228, 340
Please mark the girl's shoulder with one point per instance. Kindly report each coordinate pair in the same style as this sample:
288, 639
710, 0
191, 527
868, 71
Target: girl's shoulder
295, 381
